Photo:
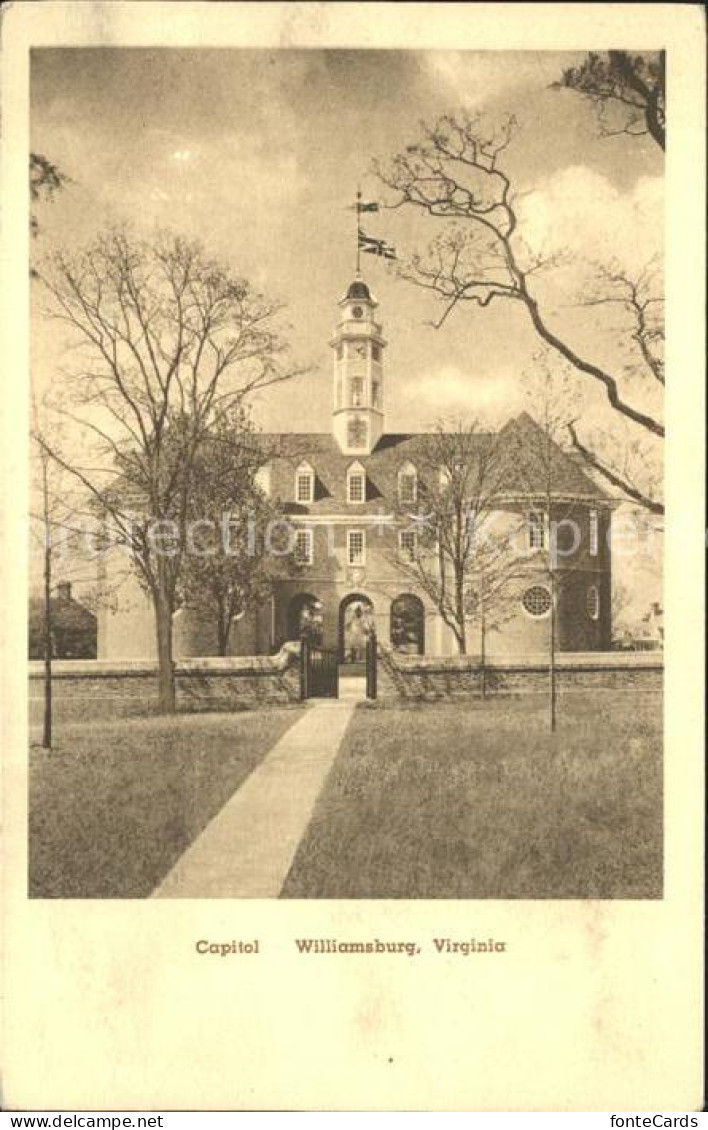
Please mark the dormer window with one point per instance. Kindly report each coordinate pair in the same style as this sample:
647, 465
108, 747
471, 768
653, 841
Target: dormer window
304, 483
407, 483
356, 483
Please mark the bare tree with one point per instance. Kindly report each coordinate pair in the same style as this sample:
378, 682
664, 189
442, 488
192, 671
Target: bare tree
167, 339
447, 548
535, 459
497, 570
627, 459
57, 521
233, 563
455, 173
46, 526
621, 599
628, 90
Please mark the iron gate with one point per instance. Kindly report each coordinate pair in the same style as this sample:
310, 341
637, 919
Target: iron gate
319, 671
371, 656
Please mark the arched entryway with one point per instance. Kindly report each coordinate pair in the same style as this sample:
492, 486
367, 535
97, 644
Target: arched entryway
305, 615
408, 624
355, 613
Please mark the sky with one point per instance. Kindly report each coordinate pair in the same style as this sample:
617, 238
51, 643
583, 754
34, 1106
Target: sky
259, 153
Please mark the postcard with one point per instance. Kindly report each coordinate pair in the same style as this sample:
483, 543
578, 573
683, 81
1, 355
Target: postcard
353, 550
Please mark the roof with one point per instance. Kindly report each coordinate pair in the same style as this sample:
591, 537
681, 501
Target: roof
359, 289
394, 449
67, 615
522, 477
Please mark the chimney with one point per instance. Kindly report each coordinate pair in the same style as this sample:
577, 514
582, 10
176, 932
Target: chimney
64, 592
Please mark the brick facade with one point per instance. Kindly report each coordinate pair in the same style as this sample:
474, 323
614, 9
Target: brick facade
308, 477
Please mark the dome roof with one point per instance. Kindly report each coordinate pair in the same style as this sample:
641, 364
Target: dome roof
358, 289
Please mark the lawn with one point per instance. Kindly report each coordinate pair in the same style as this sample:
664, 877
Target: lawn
115, 804
480, 800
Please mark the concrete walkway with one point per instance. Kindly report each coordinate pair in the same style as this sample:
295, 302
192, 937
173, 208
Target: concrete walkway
247, 849
352, 689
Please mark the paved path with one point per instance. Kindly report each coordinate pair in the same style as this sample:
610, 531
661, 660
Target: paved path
352, 689
247, 849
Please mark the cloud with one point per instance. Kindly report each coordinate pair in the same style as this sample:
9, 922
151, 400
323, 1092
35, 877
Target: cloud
451, 392
478, 78
580, 210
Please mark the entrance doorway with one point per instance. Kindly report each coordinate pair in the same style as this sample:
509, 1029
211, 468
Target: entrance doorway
408, 624
355, 614
305, 617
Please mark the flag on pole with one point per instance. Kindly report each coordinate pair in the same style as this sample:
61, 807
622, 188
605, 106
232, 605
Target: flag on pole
375, 246
364, 206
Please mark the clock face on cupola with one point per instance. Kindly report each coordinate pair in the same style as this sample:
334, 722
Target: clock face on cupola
358, 344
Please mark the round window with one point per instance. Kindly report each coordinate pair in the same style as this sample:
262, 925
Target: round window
537, 601
357, 312
593, 602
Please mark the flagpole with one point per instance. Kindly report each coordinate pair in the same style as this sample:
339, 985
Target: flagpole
356, 210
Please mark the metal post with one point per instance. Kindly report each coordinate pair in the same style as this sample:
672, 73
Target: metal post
304, 688
371, 666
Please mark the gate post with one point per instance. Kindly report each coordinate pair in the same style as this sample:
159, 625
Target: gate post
304, 665
371, 656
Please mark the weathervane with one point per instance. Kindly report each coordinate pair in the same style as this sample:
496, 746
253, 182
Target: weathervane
366, 243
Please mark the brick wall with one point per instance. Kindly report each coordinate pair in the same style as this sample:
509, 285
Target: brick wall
84, 689
421, 678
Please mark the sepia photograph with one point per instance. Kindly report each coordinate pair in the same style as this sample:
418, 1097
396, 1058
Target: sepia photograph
353, 549
347, 515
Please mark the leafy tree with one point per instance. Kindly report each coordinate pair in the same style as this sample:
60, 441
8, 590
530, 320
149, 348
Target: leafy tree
629, 91
45, 180
169, 340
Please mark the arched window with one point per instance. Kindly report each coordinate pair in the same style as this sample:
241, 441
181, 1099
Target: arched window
304, 483
407, 483
357, 392
408, 624
305, 617
592, 602
536, 601
356, 483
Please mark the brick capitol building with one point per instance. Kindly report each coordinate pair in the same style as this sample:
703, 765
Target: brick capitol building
346, 492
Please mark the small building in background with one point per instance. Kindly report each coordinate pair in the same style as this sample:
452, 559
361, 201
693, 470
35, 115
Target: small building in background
646, 634
74, 627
